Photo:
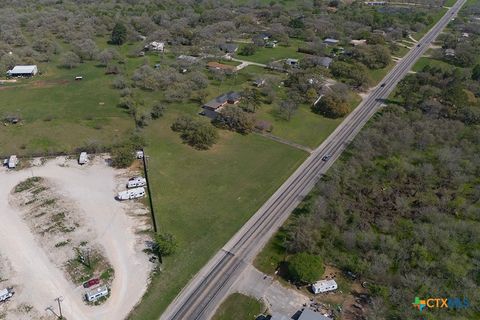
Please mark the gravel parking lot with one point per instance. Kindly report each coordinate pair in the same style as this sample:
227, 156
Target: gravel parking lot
113, 226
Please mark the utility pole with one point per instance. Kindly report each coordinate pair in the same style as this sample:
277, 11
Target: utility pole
59, 300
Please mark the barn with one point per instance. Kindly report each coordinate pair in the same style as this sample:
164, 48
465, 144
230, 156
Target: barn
23, 71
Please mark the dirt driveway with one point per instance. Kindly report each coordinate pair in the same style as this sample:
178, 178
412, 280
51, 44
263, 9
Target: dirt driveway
37, 280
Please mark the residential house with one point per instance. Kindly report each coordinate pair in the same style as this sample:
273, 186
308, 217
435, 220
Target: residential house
214, 106
331, 41
271, 44
449, 53
189, 59
212, 65
375, 3
292, 62
259, 83
229, 48
360, 42
308, 314
325, 62
155, 46
465, 35
23, 71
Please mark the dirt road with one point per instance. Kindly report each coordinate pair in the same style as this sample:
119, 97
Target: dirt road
92, 188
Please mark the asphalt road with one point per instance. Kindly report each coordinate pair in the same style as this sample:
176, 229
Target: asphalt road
203, 294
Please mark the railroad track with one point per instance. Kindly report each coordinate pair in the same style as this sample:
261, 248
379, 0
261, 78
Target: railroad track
201, 297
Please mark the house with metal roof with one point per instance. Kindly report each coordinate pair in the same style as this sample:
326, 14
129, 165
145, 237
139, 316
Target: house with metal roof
214, 106
228, 47
23, 71
308, 314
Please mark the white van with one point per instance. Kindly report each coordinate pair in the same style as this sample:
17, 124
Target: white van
131, 194
136, 182
83, 159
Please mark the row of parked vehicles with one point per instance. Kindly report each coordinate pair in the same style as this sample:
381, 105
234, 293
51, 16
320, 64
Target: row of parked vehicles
135, 189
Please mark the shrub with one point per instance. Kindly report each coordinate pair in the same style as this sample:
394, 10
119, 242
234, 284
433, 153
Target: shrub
122, 157
305, 268
165, 244
199, 135
157, 111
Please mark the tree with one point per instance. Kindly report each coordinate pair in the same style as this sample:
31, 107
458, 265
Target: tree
198, 134
250, 100
305, 268
122, 157
86, 49
105, 57
287, 109
234, 118
69, 60
119, 34
165, 244
157, 111
476, 72
248, 50
331, 106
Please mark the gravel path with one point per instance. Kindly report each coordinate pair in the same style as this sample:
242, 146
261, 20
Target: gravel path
92, 188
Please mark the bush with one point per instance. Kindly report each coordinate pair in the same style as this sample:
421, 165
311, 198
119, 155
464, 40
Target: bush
165, 244
157, 111
305, 268
122, 157
248, 50
331, 106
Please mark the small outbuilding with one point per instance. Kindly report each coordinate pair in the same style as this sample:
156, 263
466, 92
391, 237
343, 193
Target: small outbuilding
323, 286
331, 41
155, 46
23, 71
292, 62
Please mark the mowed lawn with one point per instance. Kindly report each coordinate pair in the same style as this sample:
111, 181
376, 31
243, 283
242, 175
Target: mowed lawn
239, 307
204, 197
267, 55
59, 113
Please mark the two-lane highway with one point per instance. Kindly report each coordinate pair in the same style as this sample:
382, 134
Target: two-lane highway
199, 299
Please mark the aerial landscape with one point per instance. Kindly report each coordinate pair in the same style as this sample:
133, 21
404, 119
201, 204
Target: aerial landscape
240, 159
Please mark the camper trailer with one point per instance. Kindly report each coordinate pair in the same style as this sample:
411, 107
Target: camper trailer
83, 159
139, 154
96, 293
5, 294
136, 182
131, 194
324, 286
12, 162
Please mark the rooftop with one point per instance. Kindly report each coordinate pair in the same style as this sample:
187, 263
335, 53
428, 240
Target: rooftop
308, 314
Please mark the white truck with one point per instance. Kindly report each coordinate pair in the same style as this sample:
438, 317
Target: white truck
11, 162
136, 182
131, 194
5, 294
83, 159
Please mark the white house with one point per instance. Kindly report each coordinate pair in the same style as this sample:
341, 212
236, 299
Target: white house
292, 62
96, 293
23, 71
155, 46
324, 286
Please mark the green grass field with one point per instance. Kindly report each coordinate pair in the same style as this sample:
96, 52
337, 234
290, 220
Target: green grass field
59, 113
239, 307
424, 61
266, 55
204, 197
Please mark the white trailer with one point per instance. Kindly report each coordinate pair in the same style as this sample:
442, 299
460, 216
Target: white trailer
324, 286
83, 159
131, 194
5, 294
139, 154
12, 162
136, 182
96, 293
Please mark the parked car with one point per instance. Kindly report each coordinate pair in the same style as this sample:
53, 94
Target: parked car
91, 283
326, 157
